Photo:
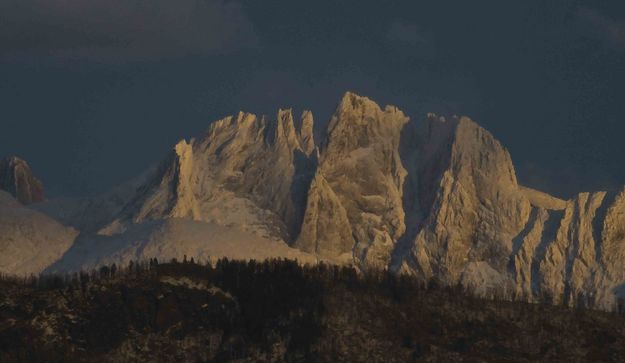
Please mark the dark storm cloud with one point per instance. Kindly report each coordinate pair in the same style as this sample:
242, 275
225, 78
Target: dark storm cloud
609, 30
123, 29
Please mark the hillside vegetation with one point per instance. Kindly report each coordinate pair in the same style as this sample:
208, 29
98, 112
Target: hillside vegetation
280, 311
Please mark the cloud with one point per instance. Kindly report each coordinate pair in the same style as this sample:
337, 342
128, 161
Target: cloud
407, 34
124, 29
602, 27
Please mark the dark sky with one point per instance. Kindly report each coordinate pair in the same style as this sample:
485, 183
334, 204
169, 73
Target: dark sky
92, 92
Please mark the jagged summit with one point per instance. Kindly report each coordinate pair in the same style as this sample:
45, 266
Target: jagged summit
351, 100
359, 110
17, 178
248, 171
436, 198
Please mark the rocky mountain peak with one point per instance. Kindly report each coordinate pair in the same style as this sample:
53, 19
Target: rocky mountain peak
354, 110
436, 198
358, 184
17, 178
359, 122
353, 102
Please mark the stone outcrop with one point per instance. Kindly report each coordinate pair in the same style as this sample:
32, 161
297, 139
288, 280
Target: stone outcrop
17, 179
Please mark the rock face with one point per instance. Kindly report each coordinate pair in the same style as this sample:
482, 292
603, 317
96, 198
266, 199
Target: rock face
441, 199
326, 230
476, 206
435, 198
360, 177
485, 231
17, 179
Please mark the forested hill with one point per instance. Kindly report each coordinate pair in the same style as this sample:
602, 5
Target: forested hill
280, 311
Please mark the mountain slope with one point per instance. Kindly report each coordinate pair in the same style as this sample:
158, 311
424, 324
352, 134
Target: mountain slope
172, 238
29, 240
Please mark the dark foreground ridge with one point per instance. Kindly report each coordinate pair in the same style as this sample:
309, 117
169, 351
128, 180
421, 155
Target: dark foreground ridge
280, 311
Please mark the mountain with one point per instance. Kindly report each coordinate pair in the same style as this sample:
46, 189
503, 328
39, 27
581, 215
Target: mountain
17, 179
436, 198
29, 240
238, 191
247, 171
